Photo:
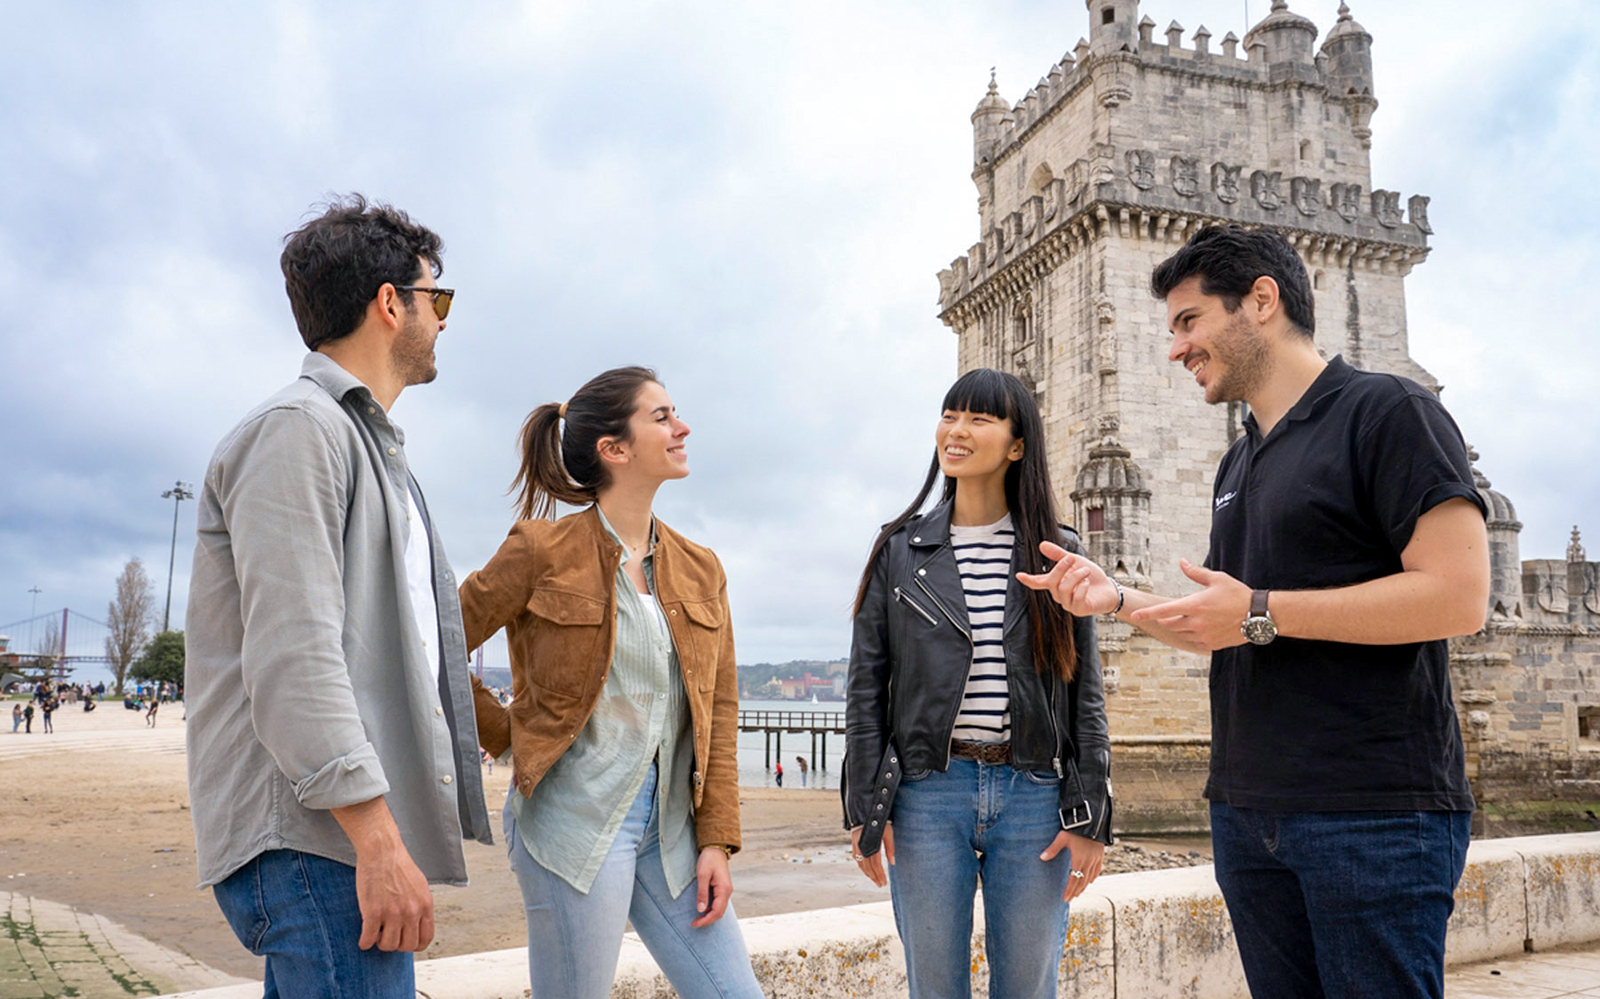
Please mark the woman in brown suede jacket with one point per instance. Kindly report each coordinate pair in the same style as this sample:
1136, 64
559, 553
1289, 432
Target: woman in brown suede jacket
623, 721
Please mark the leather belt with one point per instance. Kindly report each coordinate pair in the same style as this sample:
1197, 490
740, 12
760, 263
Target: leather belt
992, 753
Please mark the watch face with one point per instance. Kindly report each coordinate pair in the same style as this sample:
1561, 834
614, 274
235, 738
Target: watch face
1259, 630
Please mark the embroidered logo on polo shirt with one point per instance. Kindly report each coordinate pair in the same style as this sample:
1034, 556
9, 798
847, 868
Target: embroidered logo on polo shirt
1225, 499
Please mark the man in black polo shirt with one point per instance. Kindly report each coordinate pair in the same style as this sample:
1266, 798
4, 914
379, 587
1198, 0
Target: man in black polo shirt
1347, 543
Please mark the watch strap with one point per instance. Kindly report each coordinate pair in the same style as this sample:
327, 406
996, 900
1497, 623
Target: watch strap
1258, 603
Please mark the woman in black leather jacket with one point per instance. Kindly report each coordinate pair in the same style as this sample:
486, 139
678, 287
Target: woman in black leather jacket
976, 742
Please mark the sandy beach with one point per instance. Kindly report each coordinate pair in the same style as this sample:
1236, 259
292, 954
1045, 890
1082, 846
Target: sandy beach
96, 816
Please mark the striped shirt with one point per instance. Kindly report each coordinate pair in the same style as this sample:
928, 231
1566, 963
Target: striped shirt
983, 555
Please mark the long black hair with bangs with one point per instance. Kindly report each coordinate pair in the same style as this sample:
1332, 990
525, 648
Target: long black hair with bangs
1028, 497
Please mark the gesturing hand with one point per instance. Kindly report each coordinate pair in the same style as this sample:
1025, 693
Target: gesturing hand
1210, 618
1087, 858
1076, 583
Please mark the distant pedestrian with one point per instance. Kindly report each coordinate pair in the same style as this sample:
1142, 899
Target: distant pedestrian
150, 713
16, 717
805, 769
47, 709
778, 776
27, 719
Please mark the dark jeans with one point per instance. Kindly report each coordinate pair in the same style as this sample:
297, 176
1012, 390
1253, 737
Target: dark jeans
299, 911
1340, 904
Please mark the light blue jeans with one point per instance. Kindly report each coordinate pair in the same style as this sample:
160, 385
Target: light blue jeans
977, 821
574, 939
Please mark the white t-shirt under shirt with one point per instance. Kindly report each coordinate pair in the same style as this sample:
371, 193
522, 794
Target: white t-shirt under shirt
419, 581
983, 555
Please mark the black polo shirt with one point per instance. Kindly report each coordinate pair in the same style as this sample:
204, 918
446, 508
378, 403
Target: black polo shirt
1330, 498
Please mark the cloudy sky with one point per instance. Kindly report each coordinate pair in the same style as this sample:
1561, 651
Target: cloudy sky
753, 198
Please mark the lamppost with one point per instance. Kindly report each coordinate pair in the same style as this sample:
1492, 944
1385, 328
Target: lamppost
177, 494
33, 612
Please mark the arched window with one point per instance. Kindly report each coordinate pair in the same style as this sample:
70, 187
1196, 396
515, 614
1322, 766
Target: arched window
1305, 149
1040, 179
1022, 321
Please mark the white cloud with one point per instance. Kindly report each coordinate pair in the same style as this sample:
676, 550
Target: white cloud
755, 198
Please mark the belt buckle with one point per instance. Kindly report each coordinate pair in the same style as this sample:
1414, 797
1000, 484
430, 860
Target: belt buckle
1070, 819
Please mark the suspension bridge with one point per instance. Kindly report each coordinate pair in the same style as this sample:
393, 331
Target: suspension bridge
57, 640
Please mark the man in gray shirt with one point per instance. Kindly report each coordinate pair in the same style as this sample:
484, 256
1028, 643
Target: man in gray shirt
333, 752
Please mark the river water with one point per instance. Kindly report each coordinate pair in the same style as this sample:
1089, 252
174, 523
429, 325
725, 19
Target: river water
752, 754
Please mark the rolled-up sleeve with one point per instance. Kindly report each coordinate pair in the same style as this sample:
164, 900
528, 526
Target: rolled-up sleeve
283, 496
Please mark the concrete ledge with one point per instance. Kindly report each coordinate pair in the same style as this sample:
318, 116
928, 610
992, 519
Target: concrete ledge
1154, 934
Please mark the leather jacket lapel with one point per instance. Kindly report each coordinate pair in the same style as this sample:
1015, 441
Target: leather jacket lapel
934, 569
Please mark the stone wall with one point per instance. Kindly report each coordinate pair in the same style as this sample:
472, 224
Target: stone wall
1154, 935
1529, 699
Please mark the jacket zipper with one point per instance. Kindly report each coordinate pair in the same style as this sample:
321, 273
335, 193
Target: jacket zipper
1055, 728
951, 725
901, 596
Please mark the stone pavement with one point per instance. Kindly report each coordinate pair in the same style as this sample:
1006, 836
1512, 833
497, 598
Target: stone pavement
49, 950
1543, 975
166, 739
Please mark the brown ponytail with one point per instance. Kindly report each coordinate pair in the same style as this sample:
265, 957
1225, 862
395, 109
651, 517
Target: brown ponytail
560, 460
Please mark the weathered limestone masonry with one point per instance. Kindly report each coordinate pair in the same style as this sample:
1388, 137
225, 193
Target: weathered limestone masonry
1153, 935
1099, 172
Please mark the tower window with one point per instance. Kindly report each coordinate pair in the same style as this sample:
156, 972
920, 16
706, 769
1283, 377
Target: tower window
1305, 149
1316, 281
1108, 15
1097, 519
1589, 726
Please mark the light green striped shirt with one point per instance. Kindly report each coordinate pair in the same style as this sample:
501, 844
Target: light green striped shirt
570, 822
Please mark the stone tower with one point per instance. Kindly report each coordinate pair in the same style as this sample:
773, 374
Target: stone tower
1102, 170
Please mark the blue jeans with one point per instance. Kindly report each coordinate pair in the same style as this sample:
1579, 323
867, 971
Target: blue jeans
299, 911
574, 938
951, 829
1329, 905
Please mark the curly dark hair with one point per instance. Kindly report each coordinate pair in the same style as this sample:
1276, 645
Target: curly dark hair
1229, 258
335, 264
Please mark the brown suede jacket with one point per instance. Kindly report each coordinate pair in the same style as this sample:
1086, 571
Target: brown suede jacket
552, 586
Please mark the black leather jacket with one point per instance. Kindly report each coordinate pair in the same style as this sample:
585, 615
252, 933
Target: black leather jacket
909, 660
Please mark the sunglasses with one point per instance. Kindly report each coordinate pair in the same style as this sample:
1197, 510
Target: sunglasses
441, 297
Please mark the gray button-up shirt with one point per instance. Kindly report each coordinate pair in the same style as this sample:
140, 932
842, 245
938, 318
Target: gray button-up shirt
307, 682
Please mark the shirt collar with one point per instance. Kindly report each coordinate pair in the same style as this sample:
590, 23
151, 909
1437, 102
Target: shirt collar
1327, 384
612, 533
333, 379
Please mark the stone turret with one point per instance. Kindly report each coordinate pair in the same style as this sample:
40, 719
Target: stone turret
1505, 559
1111, 506
1284, 36
988, 121
1113, 25
1347, 66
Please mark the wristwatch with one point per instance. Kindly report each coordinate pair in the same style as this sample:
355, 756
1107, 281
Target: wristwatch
1258, 627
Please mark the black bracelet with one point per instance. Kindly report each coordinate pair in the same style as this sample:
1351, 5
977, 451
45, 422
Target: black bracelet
1121, 596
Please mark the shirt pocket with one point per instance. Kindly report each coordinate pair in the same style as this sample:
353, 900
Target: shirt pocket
705, 620
568, 641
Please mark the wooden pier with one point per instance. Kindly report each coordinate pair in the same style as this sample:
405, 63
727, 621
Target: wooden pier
774, 724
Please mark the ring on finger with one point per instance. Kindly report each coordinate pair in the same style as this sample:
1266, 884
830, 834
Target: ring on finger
1077, 874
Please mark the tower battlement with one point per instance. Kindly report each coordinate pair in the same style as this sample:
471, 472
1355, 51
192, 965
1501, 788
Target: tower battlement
1278, 135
